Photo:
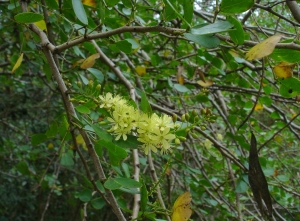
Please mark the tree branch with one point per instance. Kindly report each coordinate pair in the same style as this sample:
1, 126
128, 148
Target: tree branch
295, 9
139, 29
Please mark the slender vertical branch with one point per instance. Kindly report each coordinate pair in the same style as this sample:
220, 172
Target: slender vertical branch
155, 180
71, 113
135, 154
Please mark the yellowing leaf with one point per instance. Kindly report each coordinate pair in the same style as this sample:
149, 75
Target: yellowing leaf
179, 76
278, 139
27, 35
140, 70
77, 63
258, 107
90, 61
91, 3
180, 80
18, 63
284, 70
294, 114
80, 141
50, 145
205, 83
276, 173
263, 49
41, 25
182, 207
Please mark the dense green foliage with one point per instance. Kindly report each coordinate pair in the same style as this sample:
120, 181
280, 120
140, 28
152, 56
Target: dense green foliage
66, 149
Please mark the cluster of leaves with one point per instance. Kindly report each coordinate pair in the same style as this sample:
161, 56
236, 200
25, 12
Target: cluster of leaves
226, 69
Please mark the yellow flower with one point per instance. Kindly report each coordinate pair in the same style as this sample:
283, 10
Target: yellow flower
148, 144
107, 101
153, 131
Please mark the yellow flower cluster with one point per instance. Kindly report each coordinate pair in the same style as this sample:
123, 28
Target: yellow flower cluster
153, 131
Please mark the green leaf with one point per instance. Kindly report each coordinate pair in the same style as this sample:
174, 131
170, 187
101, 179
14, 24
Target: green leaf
112, 184
38, 138
188, 7
52, 4
85, 195
283, 178
67, 159
112, 3
207, 41
97, 74
22, 167
52, 131
83, 109
235, 6
266, 100
100, 186
126, 170
103, 134
217, 27
181, 88
130, 143
116, 153
98, 203
130, 190
79, 11
98, 149
290, 87
287, 55
144, 196
241, 187
28, 17
116, 150
169, 12
63, 126
127, 182
127, 3
133, 43
124, 46
236, 35
145, 105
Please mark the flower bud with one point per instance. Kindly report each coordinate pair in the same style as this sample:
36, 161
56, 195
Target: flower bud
174, 118
182, 138
177, 141
183, 117
194, 135
187, 116
98, 87
194, 113
90, 84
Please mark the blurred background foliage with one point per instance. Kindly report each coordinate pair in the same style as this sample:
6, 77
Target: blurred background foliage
42, 178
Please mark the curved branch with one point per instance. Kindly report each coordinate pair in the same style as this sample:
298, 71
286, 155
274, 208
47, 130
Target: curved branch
64, 46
